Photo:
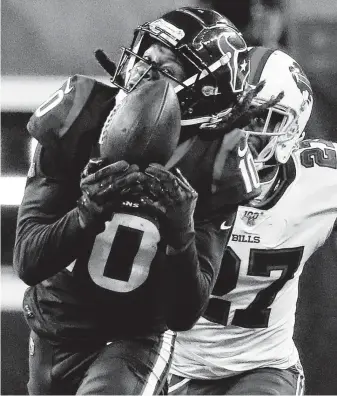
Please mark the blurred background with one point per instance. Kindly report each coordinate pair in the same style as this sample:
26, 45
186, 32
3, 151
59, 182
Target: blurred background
45, 41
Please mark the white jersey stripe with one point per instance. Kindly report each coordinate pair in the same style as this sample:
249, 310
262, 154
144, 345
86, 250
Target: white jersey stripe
300, 381
178, 385
162, 364
300, 386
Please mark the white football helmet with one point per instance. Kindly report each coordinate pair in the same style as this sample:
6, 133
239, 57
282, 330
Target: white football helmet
284, 123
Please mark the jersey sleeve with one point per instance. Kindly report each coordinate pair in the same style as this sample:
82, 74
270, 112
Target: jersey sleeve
235, 179
69, 122
48, 233
191, 274
318, 161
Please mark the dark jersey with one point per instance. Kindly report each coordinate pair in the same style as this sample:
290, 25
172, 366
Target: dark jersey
122, 281
70, 121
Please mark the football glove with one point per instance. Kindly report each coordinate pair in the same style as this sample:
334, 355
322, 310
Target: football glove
174, 199
103, 189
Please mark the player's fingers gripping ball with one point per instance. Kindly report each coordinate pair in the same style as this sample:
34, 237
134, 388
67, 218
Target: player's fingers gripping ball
143, 128
171, 188
172, 195
97, 175
92, 166
103, 188
115, 187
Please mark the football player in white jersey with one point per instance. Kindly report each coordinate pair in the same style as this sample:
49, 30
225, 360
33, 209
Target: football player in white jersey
244, 344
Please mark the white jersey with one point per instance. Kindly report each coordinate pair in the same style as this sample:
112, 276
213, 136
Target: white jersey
250, 318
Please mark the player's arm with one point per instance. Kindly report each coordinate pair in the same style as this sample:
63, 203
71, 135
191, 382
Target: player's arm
48, 233
197, 247
235, 179
66, 125
194, 249
191, 273
59, 215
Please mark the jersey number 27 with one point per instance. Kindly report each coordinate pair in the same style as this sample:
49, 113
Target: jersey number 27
261, 263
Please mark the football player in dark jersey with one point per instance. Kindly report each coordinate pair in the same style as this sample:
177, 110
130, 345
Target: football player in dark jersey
109, 283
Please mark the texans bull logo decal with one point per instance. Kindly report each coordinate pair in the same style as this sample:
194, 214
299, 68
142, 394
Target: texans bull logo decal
238, 65
231, 48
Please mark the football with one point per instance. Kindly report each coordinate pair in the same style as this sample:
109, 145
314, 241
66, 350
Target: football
144, 127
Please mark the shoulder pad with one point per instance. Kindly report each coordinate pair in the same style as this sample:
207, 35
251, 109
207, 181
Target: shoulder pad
317, 153
72, 115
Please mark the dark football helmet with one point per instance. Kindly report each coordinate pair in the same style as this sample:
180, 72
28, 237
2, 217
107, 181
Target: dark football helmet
212, 51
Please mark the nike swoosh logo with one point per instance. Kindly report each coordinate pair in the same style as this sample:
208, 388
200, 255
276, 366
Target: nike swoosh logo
68, 88
242, 153
224, 226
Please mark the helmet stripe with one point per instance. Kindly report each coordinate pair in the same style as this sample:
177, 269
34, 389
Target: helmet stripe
258, 56
205, 16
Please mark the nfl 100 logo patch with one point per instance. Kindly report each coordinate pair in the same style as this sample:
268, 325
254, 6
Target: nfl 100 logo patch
250, 217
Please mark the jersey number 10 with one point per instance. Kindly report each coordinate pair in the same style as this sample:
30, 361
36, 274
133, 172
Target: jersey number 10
122, 254
249, 172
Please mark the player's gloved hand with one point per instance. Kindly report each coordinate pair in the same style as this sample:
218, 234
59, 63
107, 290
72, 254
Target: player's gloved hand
103, 189
174, 199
